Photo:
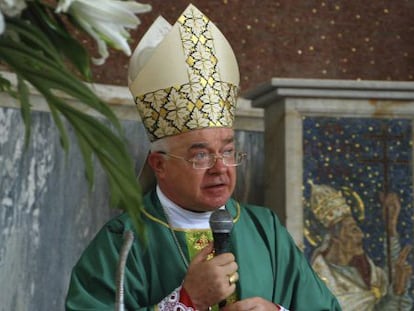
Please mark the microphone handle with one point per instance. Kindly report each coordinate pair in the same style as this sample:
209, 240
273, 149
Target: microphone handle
221, 242
221, 245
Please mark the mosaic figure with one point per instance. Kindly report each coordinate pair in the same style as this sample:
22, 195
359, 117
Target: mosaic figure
344, 265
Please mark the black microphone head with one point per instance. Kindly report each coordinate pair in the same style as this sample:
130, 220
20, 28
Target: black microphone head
221, 221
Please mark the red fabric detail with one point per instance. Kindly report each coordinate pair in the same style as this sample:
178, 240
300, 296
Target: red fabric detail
173, 302
185, 298
280, 308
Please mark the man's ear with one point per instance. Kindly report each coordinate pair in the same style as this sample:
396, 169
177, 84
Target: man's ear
157, 162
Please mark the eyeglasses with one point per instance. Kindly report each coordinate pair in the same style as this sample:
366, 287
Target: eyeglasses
207, 160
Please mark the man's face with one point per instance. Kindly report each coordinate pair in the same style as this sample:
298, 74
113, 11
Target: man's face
196, 189
351, 237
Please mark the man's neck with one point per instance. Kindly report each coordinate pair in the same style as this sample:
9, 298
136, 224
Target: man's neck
179, 217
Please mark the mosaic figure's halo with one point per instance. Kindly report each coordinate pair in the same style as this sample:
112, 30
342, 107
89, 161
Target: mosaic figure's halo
184, 77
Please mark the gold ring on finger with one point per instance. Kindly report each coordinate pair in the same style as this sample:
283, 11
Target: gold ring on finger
233, 278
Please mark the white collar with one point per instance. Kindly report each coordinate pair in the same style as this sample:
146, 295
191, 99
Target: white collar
180, 218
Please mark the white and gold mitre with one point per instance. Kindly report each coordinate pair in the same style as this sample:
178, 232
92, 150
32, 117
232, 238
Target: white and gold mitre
184, 77
328, 205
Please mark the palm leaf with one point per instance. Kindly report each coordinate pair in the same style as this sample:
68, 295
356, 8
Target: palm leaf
5, 85
64, 139
111, 152
51, 26
28, 62
38, 61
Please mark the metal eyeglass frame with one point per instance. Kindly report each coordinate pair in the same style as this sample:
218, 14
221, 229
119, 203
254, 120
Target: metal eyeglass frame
238, 158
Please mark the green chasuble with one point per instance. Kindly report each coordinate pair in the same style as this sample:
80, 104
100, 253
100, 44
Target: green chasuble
270, 264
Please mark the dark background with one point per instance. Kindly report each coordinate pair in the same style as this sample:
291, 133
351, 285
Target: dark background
348, 39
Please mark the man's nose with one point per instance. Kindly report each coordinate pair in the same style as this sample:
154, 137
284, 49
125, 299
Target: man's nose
219, 164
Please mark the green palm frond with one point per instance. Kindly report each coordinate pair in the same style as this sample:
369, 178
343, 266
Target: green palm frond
55, 34
38, 50
96, 138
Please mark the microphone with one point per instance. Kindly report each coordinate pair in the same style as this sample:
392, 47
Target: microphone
221, 224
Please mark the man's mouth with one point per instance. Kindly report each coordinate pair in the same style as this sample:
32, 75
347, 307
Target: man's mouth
215, 185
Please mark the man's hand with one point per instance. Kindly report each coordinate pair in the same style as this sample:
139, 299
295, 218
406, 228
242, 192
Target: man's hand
207, 281
255, 303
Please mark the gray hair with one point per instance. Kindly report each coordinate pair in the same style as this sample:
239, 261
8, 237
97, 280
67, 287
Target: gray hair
160, 145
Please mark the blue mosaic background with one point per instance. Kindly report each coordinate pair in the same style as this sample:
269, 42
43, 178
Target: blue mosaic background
359, 153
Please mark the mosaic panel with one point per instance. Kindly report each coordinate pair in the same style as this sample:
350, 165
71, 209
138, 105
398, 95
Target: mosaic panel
360, 169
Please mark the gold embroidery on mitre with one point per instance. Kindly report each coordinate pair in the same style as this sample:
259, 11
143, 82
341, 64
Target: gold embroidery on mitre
206, 101
328, 205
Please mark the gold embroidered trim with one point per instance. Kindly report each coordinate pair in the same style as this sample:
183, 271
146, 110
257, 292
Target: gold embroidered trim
153, 218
